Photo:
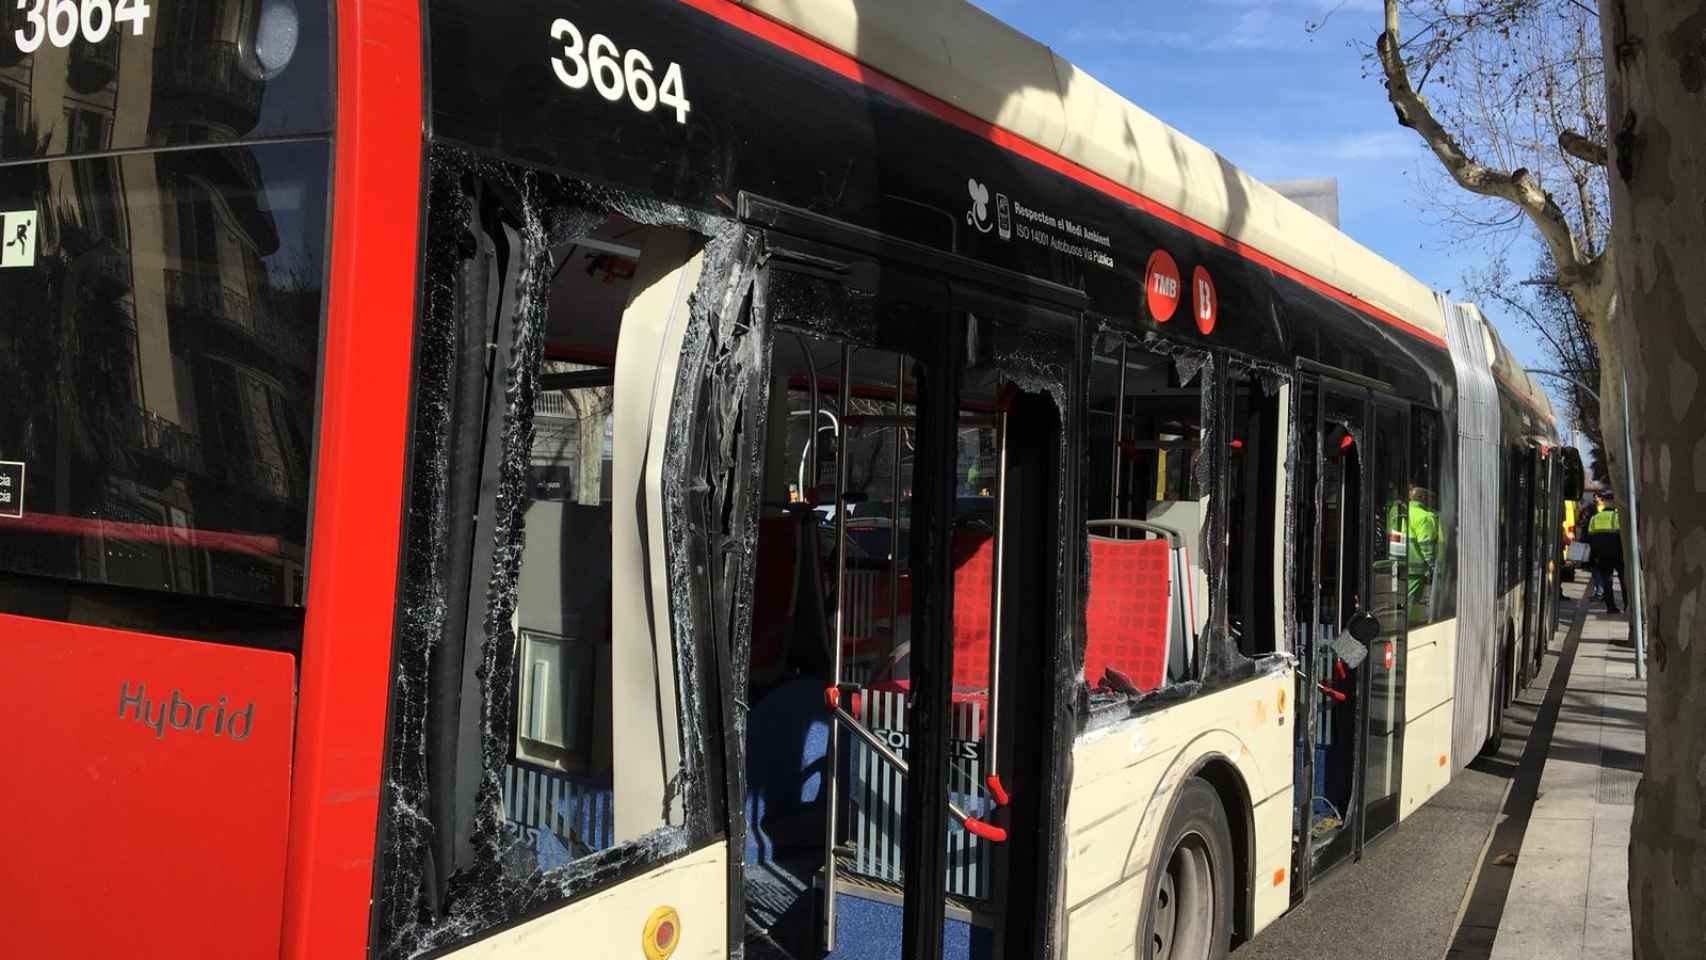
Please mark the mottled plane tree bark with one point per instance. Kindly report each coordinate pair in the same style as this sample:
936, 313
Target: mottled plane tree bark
1655, 52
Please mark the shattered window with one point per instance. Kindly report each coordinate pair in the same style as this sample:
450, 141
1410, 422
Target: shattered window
547, 737
1147, 506
1431, 553
596, 732
1256, 456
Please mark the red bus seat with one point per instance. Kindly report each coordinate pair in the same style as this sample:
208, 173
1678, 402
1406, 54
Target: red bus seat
1126, 619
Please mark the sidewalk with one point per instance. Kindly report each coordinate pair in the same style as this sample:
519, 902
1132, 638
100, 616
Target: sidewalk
1568, 896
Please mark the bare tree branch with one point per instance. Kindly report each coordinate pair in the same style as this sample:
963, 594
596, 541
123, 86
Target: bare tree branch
1586, 280
1582, 148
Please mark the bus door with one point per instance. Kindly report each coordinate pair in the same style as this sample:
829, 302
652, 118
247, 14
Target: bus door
1528, 491
1389, 584
848, 604
878, 735
1007, 554
1355, 608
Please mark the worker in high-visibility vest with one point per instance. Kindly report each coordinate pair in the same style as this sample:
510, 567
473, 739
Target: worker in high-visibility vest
1425, 541
1605, 540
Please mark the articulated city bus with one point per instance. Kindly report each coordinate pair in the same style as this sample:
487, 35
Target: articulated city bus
695, 478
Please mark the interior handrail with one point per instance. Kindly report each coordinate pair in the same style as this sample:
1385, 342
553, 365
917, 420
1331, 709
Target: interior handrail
1174, 538
974, 826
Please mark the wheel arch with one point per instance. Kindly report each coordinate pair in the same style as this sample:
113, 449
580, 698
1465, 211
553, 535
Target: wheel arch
1228, 783
1220, 772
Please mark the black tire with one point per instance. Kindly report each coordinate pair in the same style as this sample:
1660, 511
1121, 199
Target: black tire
1188, 914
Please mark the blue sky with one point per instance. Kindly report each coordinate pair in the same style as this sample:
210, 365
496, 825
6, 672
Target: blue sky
1246, 79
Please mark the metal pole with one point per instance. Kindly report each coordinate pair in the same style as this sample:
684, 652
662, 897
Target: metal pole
999, 549
894, 504
1633, 533
1119, 437
827, 935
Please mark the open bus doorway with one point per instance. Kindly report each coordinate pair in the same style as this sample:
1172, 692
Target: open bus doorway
1335, 656
832, 606
1353, 453
889, 492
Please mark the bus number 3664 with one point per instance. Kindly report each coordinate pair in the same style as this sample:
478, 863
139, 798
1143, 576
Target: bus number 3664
59, 22
615, 74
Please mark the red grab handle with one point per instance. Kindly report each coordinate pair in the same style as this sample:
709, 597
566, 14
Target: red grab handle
1329, 691
993, 781
987, 831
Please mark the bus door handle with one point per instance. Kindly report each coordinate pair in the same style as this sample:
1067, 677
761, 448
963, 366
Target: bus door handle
972, 825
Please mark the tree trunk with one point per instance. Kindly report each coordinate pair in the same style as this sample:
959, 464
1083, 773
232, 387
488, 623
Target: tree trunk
1606, 336
1655, 55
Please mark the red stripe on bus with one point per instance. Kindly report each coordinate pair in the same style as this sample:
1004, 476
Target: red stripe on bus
787, 38
352, 574
249, 543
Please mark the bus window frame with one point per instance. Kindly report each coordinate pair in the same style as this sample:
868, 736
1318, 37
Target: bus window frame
518, 192
1217, 662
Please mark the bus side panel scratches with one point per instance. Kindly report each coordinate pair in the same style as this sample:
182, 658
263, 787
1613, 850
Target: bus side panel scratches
1126, 778
1107, 925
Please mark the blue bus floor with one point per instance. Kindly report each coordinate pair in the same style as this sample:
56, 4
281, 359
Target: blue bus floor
864, 929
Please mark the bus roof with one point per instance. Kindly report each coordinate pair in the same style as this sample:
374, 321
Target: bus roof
957, 53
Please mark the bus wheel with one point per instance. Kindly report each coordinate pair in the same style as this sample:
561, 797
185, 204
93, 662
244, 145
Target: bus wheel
1190, 886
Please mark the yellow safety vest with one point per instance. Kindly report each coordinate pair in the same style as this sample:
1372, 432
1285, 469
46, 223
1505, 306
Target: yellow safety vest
1605, 521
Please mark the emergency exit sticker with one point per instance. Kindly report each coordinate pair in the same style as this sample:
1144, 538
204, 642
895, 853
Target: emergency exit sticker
17, 238
11, 489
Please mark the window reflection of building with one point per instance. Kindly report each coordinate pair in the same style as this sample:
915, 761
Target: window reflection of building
186, 326
203, 82
193, 369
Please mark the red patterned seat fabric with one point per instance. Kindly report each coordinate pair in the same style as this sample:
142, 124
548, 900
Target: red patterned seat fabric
1127, 611
974, 569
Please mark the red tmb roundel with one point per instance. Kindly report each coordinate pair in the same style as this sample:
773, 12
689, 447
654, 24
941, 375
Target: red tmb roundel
1207, 304
1161, 286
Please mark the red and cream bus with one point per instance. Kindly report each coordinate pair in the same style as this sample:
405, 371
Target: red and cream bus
694, 478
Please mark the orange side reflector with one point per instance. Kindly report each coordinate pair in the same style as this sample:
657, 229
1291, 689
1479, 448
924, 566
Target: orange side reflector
1282, 700
1442, 759
1279, 876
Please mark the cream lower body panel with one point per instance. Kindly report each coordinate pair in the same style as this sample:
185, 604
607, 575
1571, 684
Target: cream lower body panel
610, 924
1124, 778
1431, 672
1270, 876
1427, 758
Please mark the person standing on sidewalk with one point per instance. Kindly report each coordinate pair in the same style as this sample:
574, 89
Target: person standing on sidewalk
1605, 540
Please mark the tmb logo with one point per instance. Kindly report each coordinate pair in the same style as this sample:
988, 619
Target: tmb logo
180, 714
